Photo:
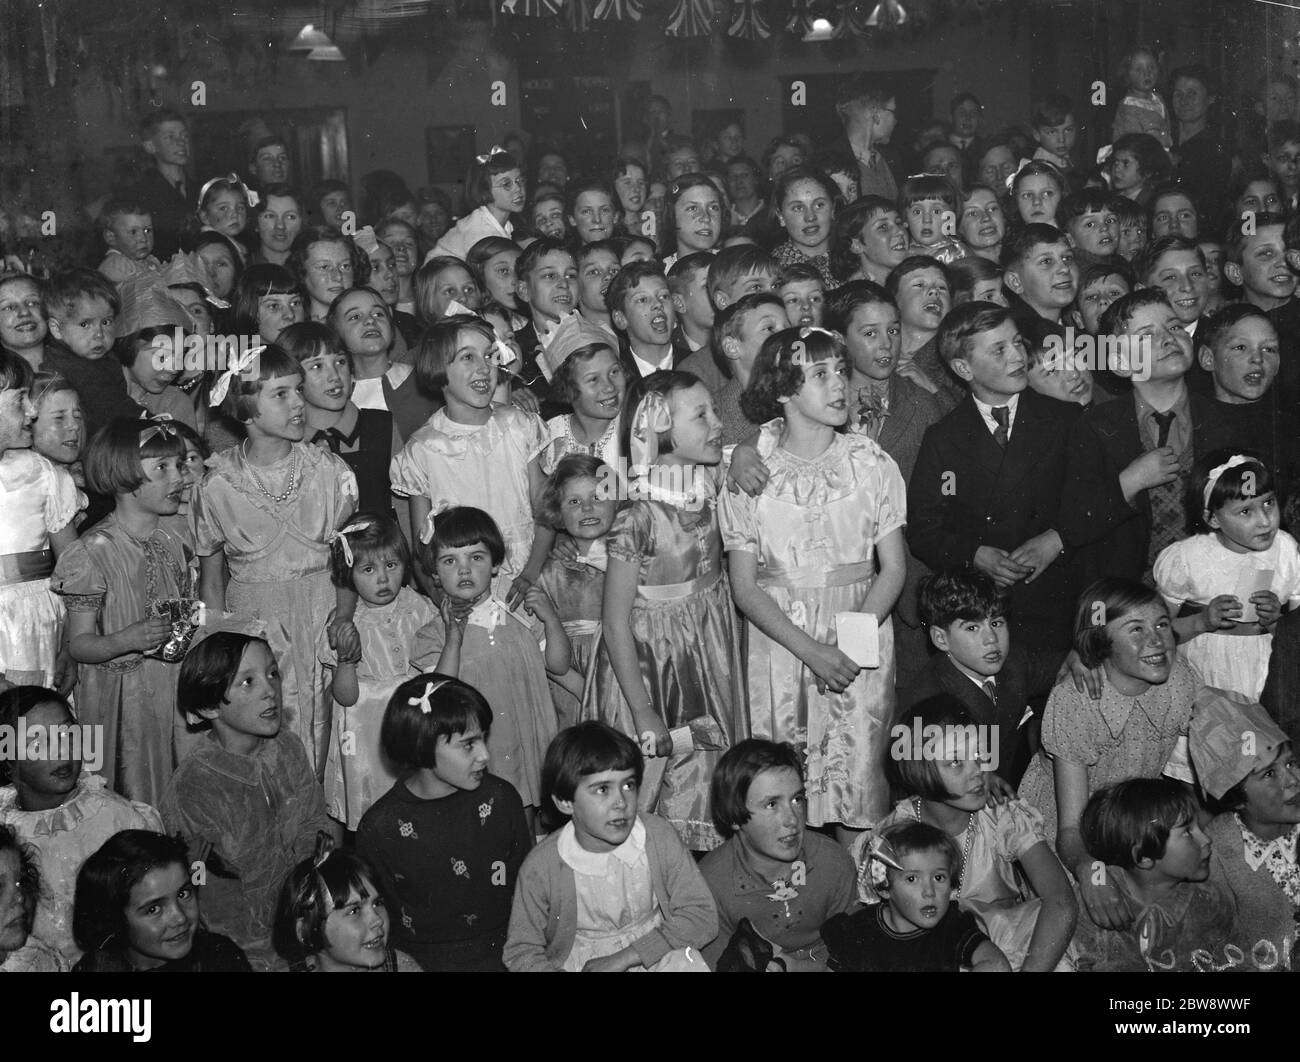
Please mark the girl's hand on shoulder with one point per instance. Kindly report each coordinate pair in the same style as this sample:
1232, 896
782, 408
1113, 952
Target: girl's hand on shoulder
999, 789
565, 549
523, 399
1224, 611
145, 634
518, 591
747, 472
539, 603
1101, 900
834, 670
1086, 680
1267, 607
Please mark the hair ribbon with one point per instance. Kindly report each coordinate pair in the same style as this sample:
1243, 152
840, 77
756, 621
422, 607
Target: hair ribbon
430, 689
158, 424
882, 859
240, 365
1233, 462
495, 150
651, 417
231, 178
341, 537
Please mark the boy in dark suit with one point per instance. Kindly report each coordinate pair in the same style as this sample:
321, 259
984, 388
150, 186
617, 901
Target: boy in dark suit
1130, 458
965, 614
986, 489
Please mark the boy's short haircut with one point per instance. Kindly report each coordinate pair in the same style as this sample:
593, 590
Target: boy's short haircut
1021, 243
535, 252
1132, 820
1213, 328
1239, 233
799, 271
911, 835
1145, 261
1119, 313
1283, 132
154, 120
963, 323
913, 263
1095, 271
732, 263
916, 774
1086, 201
965, 273
65, 289
682, 275
957, 594
963, 97
833, 162
1129, 210
735, 773
409, 735
1050, 110
120, 206
274, 140
728, 321
924, 187
843, 302
581, 254
628, 278
869, 87
583, 185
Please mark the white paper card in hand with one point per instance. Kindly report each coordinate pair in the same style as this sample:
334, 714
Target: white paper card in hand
683, 741
1251, 581
858, 636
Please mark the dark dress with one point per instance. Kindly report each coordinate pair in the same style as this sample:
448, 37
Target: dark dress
211, 953
368, 451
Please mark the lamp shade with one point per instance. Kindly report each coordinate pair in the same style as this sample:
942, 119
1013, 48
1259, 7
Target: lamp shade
310, 38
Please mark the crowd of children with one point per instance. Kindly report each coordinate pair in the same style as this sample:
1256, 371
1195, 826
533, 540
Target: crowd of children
698, 564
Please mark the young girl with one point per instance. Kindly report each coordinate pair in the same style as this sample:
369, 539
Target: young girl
1005, 853
369, 555
38, 503
668, 659
129, 586
137, 909
586, 373
1142, 110
1230, 578
20, 886
1123, 628
332, 918
223, 206
614, 889
929, 203
499, 190
803, 554
696, 216
504, 655
440, 283
61, 812
803, 200
59, 428
267, 300
578, 502
448, 840
1036, 191
265, 511
1254, 792
246, 800
492, 261
472, 454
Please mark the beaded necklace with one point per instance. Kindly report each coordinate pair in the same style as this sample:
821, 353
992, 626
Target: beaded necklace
257, 480
968, 841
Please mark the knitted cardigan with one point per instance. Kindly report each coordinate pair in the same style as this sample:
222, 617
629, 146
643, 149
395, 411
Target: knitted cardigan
1266, 926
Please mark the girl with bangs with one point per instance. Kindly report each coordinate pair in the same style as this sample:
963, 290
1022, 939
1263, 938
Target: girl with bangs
267, 511
804, 553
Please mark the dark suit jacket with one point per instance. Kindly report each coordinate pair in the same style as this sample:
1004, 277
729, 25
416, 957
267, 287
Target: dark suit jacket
912, 409
1094, 513
968, 492
1281, 693
168, 210
951, 389
1024, 676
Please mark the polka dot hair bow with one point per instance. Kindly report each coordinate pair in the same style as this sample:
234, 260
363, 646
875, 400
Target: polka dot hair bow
238, 367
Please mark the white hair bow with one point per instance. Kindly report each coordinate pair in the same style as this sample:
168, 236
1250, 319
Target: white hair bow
239, 366
1232, 462
158, 424
423, 700
341, 537
493, 152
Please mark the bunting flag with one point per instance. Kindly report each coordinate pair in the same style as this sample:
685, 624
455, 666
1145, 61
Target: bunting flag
887, 15
618, 11
579, 15
531, 8
691, 18
800, 21
747, 21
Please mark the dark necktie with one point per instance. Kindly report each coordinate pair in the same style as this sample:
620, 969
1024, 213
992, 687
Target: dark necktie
1163, 423
991, 691
1002, 434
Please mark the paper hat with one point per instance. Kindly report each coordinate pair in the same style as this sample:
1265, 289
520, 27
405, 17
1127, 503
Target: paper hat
571, 334
1229, 736
191, 269
147, 304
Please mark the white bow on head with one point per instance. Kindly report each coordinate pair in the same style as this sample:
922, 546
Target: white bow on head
423, 700
238, 367
341, 537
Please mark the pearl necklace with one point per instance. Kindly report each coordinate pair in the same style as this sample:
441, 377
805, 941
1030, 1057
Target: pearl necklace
293, 478
969, 840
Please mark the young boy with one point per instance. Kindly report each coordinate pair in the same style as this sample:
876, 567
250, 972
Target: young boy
269, 163
739, 332
916, 927
546, 280
1040, 272
127, 229
1132, 227
1212, 251
446, 841
82, 307
929, 204
1176, 266
987, 485
641, 308
598, 265
1091, 221
1099, 286
163, 191
591, 209
1173, 213
1256, 260
1148, 842
245, 800
688, 280
920, 289
738, 271
1054, 127
803, 291
966, 617
1054, 375
1129, 459
1283, 161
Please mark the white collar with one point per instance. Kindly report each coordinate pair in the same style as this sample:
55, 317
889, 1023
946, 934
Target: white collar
595, 864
